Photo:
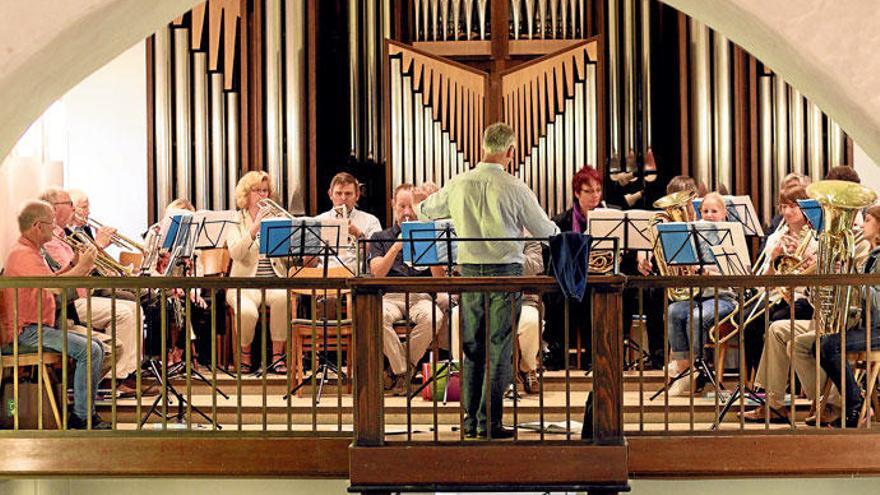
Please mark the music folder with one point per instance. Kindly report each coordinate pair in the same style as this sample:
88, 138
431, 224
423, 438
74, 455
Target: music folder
739, 209
812, 210
428, 243
304, 236
694, 243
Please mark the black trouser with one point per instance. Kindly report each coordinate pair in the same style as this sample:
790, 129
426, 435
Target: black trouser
753, 335
831, 353
201, 325
579, 321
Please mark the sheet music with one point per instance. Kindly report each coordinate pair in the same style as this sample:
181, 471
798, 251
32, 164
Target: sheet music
631, 228
214, 226
693, 243
741, 210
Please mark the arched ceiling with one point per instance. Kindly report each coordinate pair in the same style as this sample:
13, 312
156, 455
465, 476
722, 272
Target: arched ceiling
828, 49
48, 46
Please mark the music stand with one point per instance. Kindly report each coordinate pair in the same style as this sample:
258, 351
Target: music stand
812, 210
433, 243
689, 244
740, 210
306, 238
179, 240
632, 230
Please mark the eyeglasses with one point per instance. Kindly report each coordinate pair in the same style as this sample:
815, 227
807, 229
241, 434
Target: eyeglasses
68, 203
47, 222
260, 190
587, 190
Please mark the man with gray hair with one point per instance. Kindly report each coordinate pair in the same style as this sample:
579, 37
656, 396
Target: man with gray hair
101, 311
488, 203
26, 259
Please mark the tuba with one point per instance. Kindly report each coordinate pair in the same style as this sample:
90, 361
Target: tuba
675, 209
841, 202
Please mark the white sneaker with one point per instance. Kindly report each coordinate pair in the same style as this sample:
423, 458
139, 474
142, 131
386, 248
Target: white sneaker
681, 387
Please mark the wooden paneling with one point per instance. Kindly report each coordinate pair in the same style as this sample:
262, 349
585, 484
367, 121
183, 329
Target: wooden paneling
824, 453
96, 454
476, 464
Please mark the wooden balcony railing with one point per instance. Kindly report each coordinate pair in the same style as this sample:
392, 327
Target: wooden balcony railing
358, 434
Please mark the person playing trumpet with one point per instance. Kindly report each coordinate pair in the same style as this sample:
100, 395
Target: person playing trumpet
61, 256
243, 242
344, 192
27, 259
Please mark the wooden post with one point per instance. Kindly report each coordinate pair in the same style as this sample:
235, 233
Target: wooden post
369, 398
608, 364
500, 55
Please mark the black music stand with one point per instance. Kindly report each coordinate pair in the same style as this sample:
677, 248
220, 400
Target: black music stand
426, 252
307, 239
689, 244
740, 210
181, 246
631, 228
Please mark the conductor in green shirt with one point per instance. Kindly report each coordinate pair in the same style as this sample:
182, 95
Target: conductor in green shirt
488, 202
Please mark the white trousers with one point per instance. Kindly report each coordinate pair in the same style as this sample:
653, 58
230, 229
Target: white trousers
127, 328
276, 300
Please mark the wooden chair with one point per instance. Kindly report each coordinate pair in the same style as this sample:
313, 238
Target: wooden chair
861, 359
724, 336
134, 260
29, 356
339, 331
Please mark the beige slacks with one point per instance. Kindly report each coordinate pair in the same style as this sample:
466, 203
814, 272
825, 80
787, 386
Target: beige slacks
773, 371
127, 328
276, 300
421, 335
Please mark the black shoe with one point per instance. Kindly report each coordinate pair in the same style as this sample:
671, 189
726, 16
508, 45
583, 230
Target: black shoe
499, 433
470, 434
75, 422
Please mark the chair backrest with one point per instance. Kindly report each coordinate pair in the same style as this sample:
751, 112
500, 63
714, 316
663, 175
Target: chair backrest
213, 262
134, 260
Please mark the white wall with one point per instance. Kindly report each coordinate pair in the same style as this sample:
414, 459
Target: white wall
107, 141
868, 171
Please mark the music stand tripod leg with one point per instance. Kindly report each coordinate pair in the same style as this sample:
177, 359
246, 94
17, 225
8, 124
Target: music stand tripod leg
682, 374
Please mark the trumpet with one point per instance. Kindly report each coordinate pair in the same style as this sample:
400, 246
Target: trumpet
119, 240
104, 263
274, 208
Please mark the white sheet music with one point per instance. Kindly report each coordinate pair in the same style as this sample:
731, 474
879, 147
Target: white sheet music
630, 227
214, 226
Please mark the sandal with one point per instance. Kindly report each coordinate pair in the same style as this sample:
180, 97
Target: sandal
758, 415
279, 367
246, 367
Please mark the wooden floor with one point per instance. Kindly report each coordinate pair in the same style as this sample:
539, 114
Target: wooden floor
560, 408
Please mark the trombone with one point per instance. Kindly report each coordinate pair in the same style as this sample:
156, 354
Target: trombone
117, 239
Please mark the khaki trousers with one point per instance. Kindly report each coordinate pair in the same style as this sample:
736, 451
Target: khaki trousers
127, 328
421, 335
773, 371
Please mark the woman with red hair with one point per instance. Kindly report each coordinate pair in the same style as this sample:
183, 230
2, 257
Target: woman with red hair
586, 185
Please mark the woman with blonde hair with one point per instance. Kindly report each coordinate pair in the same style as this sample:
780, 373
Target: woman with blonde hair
243, 242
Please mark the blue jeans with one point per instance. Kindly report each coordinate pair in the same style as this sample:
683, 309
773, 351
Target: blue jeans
703, 316
830, 354
77, 348
504, 308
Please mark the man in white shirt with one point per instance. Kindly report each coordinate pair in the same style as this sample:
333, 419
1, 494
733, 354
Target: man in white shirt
344, 192
488, 202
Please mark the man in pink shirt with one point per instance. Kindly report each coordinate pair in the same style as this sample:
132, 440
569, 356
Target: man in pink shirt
127, 325
26, 259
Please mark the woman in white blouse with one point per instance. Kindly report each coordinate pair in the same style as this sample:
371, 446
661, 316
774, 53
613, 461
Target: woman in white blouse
243, 243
